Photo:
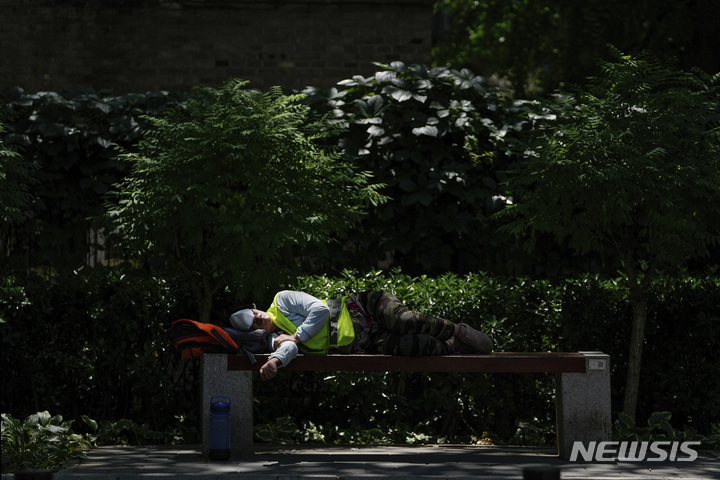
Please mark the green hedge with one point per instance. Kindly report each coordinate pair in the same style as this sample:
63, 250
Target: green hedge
521, 315
92, 343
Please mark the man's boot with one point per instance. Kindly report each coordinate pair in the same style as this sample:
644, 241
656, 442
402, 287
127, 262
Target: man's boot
470, 340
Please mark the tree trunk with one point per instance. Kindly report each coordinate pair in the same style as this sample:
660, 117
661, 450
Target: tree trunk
638, 302
205, 301
206, 295
204, 309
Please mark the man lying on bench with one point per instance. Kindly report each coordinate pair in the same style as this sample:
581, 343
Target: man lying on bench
366, 322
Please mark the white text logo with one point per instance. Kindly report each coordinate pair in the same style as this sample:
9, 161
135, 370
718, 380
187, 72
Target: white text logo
634, 451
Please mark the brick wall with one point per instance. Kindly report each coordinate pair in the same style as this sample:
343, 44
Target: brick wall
140, 45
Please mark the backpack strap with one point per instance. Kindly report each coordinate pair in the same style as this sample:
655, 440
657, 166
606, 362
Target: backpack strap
249, 354
249, 342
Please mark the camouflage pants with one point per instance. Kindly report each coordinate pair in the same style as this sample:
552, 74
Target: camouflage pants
394, 329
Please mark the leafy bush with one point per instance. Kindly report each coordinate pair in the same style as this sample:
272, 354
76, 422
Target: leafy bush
409, 125
40, 441
227, 184
659, 429
45, 442
16, 179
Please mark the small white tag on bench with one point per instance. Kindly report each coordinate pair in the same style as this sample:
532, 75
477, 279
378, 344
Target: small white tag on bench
596, 364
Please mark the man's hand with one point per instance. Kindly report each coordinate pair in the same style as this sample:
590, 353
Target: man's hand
285, 338
269, 370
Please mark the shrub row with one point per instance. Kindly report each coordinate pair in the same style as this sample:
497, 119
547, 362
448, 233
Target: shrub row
92, 343
521, 315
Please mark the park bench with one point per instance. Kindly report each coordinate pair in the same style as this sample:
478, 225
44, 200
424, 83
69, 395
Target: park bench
582, 386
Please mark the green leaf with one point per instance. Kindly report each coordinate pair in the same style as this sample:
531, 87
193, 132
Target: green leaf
408, 185
398, 94
626, 421
375, 131
39, 419
90, 422
658, 418
429, 130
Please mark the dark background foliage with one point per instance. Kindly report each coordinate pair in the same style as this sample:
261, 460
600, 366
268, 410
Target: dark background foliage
543, 45
408, 125
439, 139
70, 138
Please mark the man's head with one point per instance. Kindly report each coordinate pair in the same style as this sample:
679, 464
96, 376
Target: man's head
252, 319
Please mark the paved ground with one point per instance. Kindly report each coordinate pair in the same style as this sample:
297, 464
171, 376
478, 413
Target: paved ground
426, 463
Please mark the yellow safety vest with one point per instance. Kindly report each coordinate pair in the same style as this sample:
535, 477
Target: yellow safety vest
337, 332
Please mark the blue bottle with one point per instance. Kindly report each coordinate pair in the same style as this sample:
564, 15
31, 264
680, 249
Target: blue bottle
219, 445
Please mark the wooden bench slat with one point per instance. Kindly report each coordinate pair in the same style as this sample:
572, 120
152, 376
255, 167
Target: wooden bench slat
501, 362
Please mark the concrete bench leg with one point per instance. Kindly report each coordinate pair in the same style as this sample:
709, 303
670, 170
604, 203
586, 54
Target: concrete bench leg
583, 404
237, 385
